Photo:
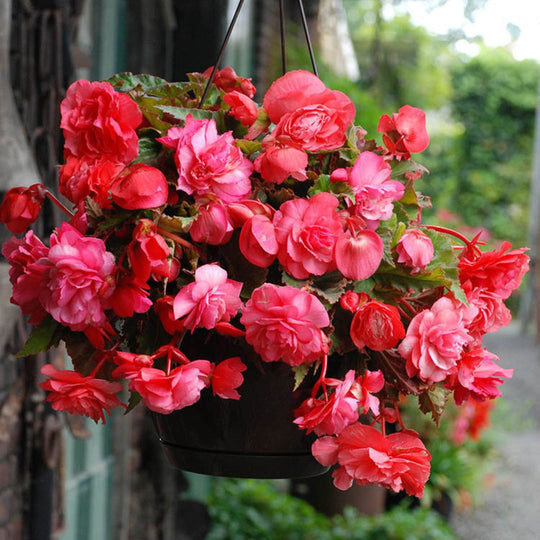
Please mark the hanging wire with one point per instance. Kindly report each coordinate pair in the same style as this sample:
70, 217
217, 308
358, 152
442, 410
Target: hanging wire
282, 34
308, 39
220, 54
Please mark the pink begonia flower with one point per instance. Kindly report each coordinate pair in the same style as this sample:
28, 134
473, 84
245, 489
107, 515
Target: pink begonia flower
370, 382
243, 108
358, 257
307, 113
258, 242
398, 461
148, 253
78, 280
405, 132
164, 393
210, 299
227, 377
241, 211
208, 162
21, 206
129, 364
280, 161
331, 416
499, 271
71, 392
285, 323
80, 219
130, 296
415, 250
226, 79
435, 339
307, 231
478, 376
140, 187
212, 225
26, 258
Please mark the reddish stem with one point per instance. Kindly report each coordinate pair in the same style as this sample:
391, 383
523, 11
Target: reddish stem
398, 416
177, 239
320, 380
52, 198
99, 365
453, 233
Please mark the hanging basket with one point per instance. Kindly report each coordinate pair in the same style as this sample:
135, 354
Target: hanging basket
254, 437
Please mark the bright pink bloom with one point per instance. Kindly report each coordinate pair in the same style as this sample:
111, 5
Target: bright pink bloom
307, 231
258, 241
243, 108
358, 257
208, 162
478, 376
370, 382
26, 258
405, 132
377, 326
210, 299
80, 219
21, 206
140, 187
78, 280
227, 377
130, 296
350, 301
212, 225
164, 393
331, 416
148, 253
98, 121
414, 249
86, 177
435, 339
398, 461
499, 271
285, 323
165, 311
227, 80
75, 394
279, 162
241, 211
307, 113
129, 364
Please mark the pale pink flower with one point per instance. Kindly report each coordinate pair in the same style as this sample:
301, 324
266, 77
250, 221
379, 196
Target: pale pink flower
78, 280
212, 225
210, 299
358, 257
414, 249
208, 162
435, 339
164, 393
285, 323
307, 231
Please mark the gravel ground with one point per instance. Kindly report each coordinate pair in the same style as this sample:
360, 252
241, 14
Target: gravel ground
511, 509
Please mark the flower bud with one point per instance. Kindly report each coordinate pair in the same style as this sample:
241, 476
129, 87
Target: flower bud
21, 207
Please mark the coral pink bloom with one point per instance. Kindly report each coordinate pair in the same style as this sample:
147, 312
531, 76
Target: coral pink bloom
499, 271
78, 281
129, 364
473, 417
75, 394
241, 211
285, 323
478, 376
89, 177
26, 258
227, 80
398, 461
21, 207
331, 416
208, 162
405, 132
148, 252
414, 249
358, 257
164, 393
98, 121
258, 241
279, 162
307, 231
350, 301
370, 382
227, 377
377, 326
210, 299
434, 341
212, 225
243, 108
130, 296
140, 187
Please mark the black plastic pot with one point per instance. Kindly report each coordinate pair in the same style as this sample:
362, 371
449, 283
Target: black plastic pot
253, 437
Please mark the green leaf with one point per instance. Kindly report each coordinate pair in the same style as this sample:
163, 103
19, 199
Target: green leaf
149, 150
134, 399
287, 279
110, 221
323, 184
128, 81
399, 168
43, 337
300, 373
329, 286
177, 224
366, 285
180, 113
433, 401
248, 147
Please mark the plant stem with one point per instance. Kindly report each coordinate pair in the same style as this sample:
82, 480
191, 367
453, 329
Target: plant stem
52, 198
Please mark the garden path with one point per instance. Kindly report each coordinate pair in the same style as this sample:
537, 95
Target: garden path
511, 508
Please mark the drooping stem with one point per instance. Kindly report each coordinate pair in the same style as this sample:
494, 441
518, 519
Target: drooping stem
177, 239
55, 201
320, 381
456, 234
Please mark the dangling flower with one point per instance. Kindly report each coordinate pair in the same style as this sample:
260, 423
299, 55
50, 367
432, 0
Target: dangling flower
20, 207
227, 377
